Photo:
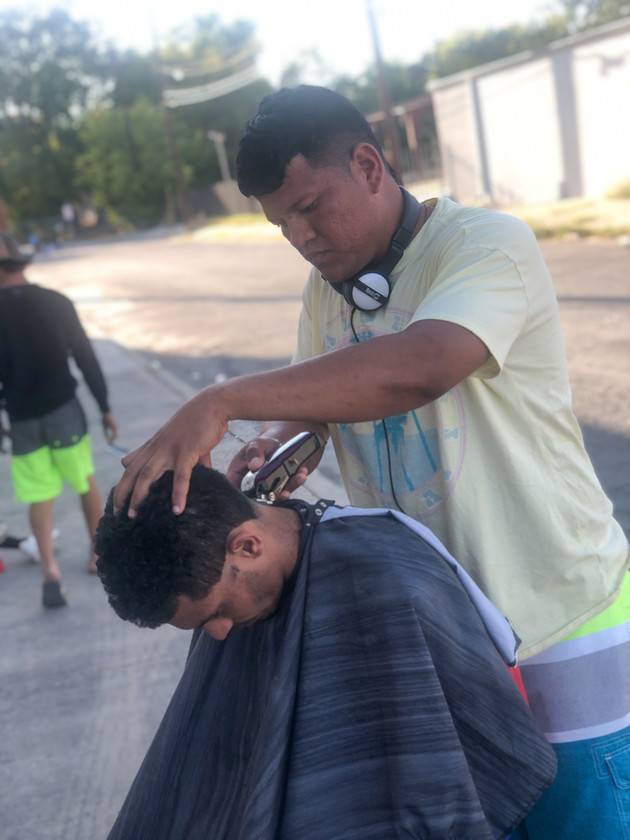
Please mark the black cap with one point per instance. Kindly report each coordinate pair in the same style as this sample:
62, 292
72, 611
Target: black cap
11, 256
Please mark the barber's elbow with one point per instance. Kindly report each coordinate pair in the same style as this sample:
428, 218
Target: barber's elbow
432, 385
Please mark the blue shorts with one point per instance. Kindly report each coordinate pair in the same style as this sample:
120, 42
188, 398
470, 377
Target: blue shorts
590, 797
579, 692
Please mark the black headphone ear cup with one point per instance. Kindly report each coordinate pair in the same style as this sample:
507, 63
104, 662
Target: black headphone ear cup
346, 290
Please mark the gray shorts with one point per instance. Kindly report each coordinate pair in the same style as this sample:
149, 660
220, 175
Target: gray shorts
65, 426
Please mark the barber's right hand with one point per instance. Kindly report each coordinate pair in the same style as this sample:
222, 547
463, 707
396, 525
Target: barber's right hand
183, 441
251, 458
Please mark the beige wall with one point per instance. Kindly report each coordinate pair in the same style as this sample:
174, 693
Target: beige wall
542, 126
458, 151
602, 72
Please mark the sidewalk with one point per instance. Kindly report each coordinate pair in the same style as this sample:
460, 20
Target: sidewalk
82, 692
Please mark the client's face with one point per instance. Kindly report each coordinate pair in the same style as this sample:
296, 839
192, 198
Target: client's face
239, 599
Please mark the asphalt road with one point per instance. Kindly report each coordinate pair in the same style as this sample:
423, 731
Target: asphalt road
81, 692
210, 310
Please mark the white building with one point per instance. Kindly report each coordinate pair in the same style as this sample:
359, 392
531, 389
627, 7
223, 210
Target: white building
539, 126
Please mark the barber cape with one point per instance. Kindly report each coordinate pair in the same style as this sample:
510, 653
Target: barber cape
372, 705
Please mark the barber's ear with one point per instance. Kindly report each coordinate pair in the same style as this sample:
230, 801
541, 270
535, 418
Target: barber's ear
244, 542
367, 163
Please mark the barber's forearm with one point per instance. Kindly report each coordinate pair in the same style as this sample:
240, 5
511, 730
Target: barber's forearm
378, 378
358, 383
375, 379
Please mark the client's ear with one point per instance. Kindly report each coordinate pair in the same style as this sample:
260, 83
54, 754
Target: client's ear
245, 542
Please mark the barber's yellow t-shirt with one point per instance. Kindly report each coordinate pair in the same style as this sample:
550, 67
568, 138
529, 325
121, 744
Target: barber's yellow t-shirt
496, 467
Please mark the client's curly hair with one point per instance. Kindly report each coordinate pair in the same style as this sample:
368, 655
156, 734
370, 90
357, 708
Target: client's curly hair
145, 563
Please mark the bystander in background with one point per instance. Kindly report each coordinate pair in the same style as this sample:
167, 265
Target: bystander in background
39, 331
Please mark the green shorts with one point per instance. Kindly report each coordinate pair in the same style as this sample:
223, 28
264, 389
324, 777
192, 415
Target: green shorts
48, 450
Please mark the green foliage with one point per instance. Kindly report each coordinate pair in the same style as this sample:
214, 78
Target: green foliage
309, 68
471, 49
404, 82
126, 164
81, 123
134, 77
48, 71
129, 164
209, 43
203, 52
48, 67
581, 15
36, 167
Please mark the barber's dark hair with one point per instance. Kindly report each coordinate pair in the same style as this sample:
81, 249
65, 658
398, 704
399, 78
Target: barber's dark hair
12, 267
312, 121
145, 563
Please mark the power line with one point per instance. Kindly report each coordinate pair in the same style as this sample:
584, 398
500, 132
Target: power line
176, 97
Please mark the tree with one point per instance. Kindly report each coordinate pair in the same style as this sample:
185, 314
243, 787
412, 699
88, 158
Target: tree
310, 69
138, 157
48, 71
201, 53
405, 81
130, 181
586, 14
473, 48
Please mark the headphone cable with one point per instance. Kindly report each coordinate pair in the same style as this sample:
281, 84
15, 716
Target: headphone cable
385, 433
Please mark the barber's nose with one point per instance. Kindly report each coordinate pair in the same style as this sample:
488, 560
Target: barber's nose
299, 232
219, 628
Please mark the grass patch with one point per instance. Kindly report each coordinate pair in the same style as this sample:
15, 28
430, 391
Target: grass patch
621, 191
605, 218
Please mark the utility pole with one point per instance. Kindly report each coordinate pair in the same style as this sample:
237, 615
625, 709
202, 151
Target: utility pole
391, 133
180, 199
4, 216
176, 163
219, 142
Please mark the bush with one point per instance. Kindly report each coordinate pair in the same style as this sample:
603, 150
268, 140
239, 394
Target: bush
621, 190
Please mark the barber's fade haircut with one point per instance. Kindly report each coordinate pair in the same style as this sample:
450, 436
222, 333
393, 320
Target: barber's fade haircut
315, 122
147, 562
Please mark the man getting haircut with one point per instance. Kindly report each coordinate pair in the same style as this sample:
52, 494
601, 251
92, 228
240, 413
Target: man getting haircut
344, 679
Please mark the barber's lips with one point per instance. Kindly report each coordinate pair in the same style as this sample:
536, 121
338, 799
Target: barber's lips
318, 259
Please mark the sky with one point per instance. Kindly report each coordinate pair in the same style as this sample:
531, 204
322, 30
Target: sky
338, 29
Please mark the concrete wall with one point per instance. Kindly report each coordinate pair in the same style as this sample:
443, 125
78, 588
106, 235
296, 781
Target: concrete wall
602, 74
539, 126
458, 148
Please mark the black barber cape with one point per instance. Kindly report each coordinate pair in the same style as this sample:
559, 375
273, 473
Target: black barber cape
372, 705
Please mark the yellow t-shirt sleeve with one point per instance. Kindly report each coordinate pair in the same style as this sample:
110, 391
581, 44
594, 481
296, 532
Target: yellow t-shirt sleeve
482, 290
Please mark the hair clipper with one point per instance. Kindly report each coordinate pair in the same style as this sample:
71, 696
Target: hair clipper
275, 473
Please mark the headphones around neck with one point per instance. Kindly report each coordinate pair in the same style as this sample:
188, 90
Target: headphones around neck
369, 289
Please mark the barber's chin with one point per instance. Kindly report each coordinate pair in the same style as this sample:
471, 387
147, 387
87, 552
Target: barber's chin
332, 275
329, 267
336, 274
336, 284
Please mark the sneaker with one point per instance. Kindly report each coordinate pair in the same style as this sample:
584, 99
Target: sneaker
30, 548
53, 594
